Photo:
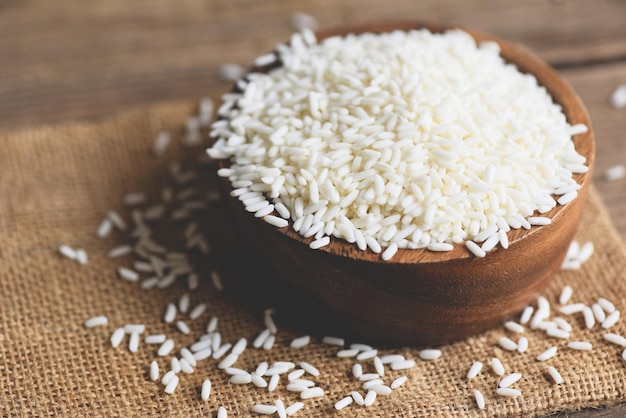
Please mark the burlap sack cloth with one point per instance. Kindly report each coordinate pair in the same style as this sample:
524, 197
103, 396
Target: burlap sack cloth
57, 183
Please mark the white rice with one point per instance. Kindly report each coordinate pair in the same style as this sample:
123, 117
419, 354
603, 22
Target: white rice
127, 274
197, 311
310, 393
185, 367
203, 354
234, 370
507, 343
522, 345
120, 251
222, 412
309, 368
133, 343
231, 72
474, 370
166, 348
240, 346
390, 358
563, 324
293, 408
611, 320
96, 321
480, 399
497, 366
381, 390
134, 328
369, 385
134, 199
590, 319
296, 374
216, 279
361, 347
358, 398
339, 405
171, 385
183, 303
556, 376
167, 377
367, 354
398, 382
104, 229
402, 365
273, 383
557, 333
607, 305
514, 326
154, 371
183, 327
586, 251
296, 386
598, 313
117, 220
566, 295
228, 361
269, 343
572, 308
155, 339
379, 366
510, 392
117, 337
275, 221
221, 350
212, 325
300, 342
615, 172
301, 20
368, 376
161, 142
170, 313
280, 409
186, 355
509, 380
580, 345
264, 409
384, 144
527, 313
430, 354
240, 379
615, 339
261, 338
369, 398
258, 381
548, 354
205, 393
618, 97
175, 365
475, 249
347, 353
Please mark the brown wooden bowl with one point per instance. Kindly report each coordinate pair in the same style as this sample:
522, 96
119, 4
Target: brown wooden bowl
420, 296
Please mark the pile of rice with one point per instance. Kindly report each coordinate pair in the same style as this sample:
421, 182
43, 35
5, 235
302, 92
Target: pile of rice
397, 140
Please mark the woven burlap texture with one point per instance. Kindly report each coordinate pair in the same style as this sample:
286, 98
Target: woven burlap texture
56, 185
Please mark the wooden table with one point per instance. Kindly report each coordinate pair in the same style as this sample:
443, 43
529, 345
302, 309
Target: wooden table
71, 59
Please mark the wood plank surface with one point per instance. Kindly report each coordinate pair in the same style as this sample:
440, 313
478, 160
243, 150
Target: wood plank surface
71, 59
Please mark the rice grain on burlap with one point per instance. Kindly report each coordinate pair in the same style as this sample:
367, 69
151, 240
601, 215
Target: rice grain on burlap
57, 183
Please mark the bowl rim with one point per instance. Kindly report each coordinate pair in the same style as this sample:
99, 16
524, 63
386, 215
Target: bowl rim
525, 61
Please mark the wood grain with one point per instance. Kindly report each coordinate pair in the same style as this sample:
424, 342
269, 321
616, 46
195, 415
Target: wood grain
70, 59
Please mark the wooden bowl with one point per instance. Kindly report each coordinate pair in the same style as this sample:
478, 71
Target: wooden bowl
420, 297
